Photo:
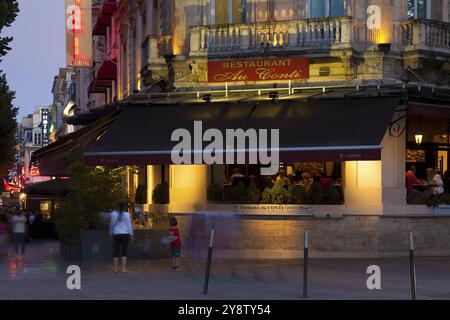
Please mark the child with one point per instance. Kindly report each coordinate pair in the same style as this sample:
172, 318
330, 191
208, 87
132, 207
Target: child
175, 243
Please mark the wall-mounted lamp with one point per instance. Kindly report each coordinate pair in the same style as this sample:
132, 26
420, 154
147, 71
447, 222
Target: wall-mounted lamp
274, 96
207, 98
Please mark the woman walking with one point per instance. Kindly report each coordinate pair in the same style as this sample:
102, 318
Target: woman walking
121, 229
19, 229
4, 228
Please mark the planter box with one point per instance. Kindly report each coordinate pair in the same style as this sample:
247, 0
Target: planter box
442, 209
70, 252
98, 246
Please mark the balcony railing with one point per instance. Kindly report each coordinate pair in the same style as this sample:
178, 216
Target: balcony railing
293, 34
426, 35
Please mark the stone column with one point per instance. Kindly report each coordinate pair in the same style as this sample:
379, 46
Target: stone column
188, 185
363, 187
153, 179
393, 160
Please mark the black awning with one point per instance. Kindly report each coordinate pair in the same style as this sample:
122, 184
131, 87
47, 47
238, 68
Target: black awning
86, 118
323, 130
55, 187
48, 159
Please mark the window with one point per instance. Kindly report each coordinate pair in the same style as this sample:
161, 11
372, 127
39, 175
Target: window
327, 8
229, 11
418, 9
37, 139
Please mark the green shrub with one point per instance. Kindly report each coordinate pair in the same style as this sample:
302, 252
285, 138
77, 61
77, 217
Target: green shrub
141, 194
417, 198
215, 192
280, 194
444, 199
238, 193
266, 197
92, 190
161, 193
296, 194
332, 195
252, 194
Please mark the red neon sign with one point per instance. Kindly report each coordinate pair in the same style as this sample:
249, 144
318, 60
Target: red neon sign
78, 33
34, 172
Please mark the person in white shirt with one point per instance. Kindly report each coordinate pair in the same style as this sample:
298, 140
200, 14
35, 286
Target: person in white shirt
121, 229
435, 182
19, 229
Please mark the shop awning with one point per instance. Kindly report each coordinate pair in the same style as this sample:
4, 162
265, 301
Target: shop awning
48, 159
322, 130
54, 187
86, 118
429, 111
108, 70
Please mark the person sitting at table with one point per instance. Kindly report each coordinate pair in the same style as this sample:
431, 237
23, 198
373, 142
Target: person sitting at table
236, 174
282, 178
435, 182
411, 179
307, 181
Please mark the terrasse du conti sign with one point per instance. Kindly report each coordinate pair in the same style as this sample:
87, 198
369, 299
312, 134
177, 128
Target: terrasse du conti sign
271, 69
79, 33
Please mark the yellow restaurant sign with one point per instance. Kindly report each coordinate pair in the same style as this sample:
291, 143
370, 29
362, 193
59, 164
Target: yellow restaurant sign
265, 69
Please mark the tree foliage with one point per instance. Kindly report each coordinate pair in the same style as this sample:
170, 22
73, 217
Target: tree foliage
8, 123
93, 190
8, 113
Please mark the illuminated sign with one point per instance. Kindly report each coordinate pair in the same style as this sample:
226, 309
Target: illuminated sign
79, 33
34, 172
272, 69
45, 124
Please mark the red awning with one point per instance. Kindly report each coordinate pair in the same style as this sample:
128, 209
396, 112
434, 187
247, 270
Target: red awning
100, 86
105, 17
108, 70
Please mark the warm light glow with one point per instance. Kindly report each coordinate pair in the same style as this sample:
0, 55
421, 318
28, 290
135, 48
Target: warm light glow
22, 197
188, 184
419, 139
34, 172
382, 36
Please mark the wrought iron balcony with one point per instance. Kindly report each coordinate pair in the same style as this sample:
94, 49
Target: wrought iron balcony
292, 35
426, 35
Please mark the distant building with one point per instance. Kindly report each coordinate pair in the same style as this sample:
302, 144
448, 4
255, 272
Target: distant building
33, 134
64, 104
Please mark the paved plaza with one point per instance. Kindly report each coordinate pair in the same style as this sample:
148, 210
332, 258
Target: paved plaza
42, 275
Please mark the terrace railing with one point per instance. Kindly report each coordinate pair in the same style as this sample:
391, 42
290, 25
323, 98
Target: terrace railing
296, 35
426, 35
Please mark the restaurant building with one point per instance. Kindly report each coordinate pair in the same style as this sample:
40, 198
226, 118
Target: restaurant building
359, 91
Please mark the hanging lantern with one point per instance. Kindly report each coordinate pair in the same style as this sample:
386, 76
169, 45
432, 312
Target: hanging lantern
419, 138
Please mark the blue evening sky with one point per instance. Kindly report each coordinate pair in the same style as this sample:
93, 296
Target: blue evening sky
38, 51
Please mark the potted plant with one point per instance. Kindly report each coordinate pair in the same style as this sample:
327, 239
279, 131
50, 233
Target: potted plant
92, 190
140, 198
215, 193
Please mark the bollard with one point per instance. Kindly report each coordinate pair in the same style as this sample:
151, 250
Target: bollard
412, 266
305, 266
208, 263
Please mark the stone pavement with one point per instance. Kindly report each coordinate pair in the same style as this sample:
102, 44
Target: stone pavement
42, 276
